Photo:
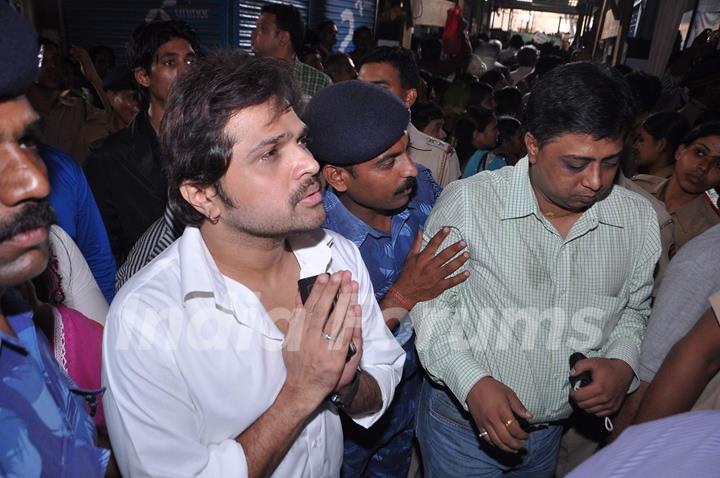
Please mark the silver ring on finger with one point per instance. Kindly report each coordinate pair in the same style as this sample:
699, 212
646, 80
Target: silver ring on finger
327, 336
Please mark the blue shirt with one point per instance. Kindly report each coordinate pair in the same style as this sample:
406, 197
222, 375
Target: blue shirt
78, 215
384, 254
473, 165
44, 428
491, 163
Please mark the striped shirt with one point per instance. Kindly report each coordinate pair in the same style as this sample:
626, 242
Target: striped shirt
533, 297
154, 240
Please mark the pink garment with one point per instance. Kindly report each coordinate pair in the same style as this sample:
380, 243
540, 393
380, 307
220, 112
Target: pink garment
77, 345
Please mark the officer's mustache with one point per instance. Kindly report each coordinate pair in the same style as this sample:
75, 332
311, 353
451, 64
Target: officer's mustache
410, 183
32, 216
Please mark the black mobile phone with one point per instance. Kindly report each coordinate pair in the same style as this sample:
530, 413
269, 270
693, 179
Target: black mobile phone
527, 426
579, 381
305, 286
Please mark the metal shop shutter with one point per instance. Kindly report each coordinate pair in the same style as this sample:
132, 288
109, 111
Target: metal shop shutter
247, 13
348, 15
110, 22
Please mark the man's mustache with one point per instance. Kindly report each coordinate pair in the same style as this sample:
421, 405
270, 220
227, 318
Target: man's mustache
410, 183
32, 216
302, 190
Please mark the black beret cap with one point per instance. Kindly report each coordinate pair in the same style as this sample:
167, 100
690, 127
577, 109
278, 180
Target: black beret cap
353, 121
18, 55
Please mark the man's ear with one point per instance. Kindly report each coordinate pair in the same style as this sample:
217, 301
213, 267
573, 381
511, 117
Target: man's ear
284, 38
336, 177
532, 147
141, 77
203, 199
662, 144
680, 152
410, 97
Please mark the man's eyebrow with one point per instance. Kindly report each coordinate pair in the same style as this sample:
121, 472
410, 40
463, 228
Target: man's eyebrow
707, 150
387, 157
269, 141
579, 157
167, 54
380, 82
16, 131
33, 129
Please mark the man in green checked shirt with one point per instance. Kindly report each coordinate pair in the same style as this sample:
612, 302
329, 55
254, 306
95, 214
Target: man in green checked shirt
562, 262
279, 33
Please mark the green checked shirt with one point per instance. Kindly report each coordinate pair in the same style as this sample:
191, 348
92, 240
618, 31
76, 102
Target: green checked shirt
311, 80
534, 298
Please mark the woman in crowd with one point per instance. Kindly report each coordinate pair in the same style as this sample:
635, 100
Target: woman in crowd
658, 139
510, 146
476, 133
697, 170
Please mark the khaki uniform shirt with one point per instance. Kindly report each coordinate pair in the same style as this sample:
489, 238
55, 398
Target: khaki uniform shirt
667, 230
62, 124
665, 222
665, 172
689, 221
438, 156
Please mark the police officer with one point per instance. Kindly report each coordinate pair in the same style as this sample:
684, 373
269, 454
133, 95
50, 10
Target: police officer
395, 69
380, 199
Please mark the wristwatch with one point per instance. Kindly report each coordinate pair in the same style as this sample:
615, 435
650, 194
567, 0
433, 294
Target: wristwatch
343, 400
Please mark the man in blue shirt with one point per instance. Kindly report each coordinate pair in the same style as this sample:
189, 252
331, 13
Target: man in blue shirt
78, 215
44, 429
379, 199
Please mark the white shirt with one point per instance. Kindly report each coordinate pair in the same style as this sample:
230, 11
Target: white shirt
191, 359
81, 290
520, 74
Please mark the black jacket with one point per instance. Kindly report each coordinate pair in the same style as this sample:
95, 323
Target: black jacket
126, 176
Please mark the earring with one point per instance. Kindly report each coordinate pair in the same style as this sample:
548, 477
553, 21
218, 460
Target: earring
213, 220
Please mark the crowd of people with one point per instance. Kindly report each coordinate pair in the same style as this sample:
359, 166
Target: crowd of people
299, 262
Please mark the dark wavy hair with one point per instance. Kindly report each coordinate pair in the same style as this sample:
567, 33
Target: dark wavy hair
193, 140
423, 112
402, 59
473, 119
508, 127
509, 101
288, 18
147, 38
582, 98
646, 89
669, 125
701, 131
